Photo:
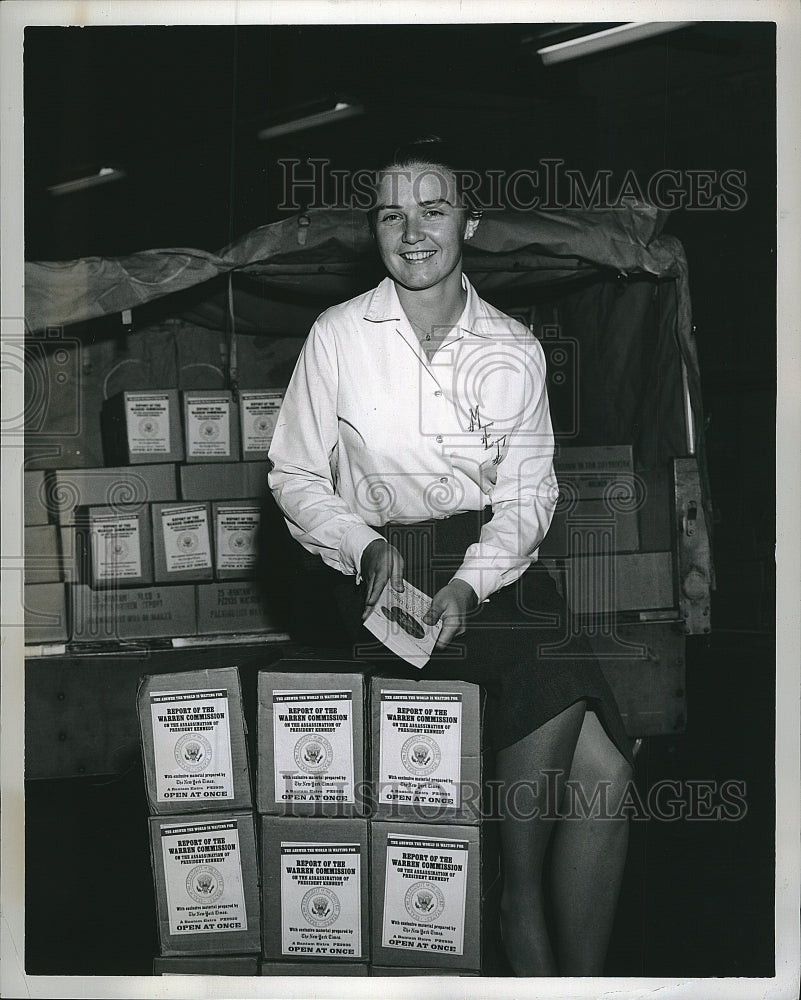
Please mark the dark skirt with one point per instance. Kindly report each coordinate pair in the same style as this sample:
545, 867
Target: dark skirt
518, 646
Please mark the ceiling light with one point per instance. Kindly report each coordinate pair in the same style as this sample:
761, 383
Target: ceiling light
611, 38
103, 176
339, 112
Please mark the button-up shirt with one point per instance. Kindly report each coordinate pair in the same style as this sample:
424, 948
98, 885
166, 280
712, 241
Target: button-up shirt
371, 432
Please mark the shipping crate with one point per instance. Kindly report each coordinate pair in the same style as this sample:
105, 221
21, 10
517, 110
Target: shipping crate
45, 613
215, 481
315, 889
258, 413
142, 613
206, 965
320, 970
120, 545
636, 582
211, 425
590, 472
236, 530
182, 542
194, 748
142, 427
70, 489
311, 742
231, 609
207, 883
43, 562
425, 739
426, 896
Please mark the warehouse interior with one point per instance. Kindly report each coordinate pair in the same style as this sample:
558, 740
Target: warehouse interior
189, 126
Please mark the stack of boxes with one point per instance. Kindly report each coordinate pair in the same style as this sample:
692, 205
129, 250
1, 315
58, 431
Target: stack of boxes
44, 587
161, 542
202, 825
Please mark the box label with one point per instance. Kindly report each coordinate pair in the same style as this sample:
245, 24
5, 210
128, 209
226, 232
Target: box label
420, 748
313, 739
425, 887
208, 427
186, 539
321, 900
147, 419
203, 876
192, 745
116, 548
259, 412
237, 528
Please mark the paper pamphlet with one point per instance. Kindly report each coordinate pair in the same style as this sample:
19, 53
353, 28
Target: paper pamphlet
397, 622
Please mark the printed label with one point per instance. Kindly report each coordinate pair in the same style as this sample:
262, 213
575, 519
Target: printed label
313, 739
186, 539
259, 412
420, 748
208, 427
425, 888
321, 900
203, 876
116, 548
237, 527
192, 745
147, 419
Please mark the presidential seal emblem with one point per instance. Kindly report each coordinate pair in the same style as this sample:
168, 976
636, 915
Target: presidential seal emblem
187, 541
119, 548
424, 902
209, 430
313, 754
205, 884
193, 752
261, 425
421, 755
148, 427
240, 541
320, 907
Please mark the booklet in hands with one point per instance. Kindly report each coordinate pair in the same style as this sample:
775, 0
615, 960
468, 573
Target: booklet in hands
397, 621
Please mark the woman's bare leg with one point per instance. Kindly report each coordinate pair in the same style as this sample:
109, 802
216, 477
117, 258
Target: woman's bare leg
589, 854
529, 771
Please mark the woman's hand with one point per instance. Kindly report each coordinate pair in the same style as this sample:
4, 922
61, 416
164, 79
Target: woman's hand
452, 604
380, 562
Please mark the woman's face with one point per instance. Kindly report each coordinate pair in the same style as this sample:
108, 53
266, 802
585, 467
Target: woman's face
420, 225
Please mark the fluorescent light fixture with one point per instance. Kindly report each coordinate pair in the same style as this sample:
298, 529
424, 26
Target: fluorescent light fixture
611, 38
103, 176
339, 112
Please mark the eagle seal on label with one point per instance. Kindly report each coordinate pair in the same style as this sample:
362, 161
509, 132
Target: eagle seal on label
148, 427
421, 755
119, 548
209, 430
187, 542
313, 753
205, 884
424, 902
240, 541
320, 907
193, 752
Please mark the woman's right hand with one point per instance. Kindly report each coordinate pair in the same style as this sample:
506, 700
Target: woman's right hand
380, 562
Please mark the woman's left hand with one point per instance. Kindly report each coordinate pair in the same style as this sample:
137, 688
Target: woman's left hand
452, 604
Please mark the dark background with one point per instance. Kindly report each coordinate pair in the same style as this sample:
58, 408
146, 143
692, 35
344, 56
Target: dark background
179, 109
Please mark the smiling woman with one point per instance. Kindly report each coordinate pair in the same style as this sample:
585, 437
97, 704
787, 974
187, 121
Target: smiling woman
415, 437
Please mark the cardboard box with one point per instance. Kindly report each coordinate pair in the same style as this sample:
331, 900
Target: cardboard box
45, 613
316, 969
207, 965
315, 889
638, 581
426, 750
211, 425
148, 613
426, 896
34, 498
589, 520
120, 546
70, 489
310, 741
589, 472
42, 554
382, 970
142, 427
258, 413
236, 536
182, 542
237, 481
193, 741
207, 883
230, 609
655, 516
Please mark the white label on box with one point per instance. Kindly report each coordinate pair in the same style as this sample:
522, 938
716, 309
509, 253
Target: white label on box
208, 427
259, 412
237, 527
203, 875
425, 886
192, 746
186, 539
321, 900
116, 547
420, 749
313, 739
147, 419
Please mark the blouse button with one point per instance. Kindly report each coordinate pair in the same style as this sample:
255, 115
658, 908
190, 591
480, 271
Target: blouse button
438, 392
439, 439
443, 479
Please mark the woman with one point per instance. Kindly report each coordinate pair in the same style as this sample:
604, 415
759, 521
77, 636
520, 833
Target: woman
415, 442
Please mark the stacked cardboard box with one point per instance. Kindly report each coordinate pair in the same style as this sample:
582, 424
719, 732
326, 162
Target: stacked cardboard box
44, 600
314, 837
202, 827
